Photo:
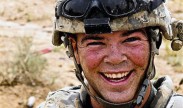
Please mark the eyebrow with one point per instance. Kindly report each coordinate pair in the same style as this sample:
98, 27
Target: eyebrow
91, 37
127, 33
96, 37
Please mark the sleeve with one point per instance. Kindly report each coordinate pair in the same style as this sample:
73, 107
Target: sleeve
63, 98
176, 101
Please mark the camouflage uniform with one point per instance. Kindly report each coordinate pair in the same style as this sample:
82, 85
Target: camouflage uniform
77, 97
161, 96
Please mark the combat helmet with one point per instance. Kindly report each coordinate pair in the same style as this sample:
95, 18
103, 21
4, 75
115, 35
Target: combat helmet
106, 16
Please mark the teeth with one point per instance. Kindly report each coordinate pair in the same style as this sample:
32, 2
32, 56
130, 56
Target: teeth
126, 74
113, 75
118, 75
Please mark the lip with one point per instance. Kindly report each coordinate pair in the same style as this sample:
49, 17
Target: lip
123, 82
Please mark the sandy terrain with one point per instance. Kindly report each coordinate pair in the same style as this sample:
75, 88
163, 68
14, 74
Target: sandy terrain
34, 18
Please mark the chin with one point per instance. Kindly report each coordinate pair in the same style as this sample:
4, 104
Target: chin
119, 97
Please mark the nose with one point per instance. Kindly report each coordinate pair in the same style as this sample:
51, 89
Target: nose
115, 56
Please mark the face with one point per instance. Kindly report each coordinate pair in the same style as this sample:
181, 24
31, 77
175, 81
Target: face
113, 64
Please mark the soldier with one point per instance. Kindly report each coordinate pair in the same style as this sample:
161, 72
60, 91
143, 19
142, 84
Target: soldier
113, 44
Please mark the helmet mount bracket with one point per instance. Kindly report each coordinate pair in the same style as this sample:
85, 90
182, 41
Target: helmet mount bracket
97, 25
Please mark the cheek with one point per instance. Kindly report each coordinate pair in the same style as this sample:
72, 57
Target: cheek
139, 56
90, 59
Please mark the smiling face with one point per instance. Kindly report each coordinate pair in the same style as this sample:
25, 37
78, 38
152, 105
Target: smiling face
113, 64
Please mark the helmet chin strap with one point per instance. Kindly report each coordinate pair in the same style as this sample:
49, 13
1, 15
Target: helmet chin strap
150, 74
155, 42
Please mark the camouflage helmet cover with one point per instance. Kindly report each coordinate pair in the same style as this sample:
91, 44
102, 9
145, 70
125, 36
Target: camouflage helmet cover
159, 17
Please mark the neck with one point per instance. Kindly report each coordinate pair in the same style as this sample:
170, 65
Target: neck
96, 104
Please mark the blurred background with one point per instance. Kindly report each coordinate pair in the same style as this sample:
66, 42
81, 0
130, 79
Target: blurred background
30, 66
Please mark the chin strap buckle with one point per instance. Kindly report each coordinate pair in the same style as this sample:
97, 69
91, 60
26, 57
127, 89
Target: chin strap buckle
142, 92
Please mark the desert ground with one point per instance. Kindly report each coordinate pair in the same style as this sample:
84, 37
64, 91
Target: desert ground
30, 66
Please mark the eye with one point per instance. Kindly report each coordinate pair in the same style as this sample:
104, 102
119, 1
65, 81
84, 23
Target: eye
95, 43
131, 39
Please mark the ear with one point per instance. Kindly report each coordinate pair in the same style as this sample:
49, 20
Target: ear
75, 49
